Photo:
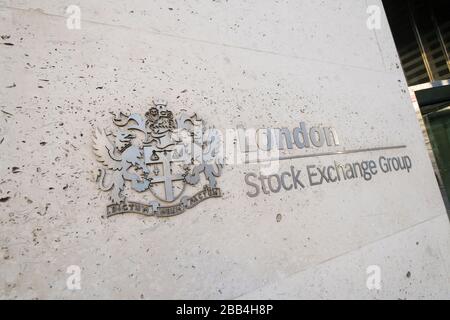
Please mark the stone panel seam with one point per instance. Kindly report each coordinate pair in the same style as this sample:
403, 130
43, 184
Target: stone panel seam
346, 253
212, 43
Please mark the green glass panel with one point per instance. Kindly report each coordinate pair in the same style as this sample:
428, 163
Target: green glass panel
438, 126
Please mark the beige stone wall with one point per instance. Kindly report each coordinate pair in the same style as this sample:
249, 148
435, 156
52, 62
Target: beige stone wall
252, 63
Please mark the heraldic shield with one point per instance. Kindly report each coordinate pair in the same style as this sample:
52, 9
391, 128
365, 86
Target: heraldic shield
159, 154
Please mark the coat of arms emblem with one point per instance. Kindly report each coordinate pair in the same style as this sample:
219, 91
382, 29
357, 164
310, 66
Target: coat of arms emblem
157, 155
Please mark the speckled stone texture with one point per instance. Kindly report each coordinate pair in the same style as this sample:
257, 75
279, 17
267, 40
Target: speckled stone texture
250, 63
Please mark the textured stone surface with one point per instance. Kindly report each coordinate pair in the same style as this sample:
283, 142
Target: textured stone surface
253, 63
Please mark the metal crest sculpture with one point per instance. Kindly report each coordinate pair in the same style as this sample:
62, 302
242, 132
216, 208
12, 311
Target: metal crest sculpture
159, 155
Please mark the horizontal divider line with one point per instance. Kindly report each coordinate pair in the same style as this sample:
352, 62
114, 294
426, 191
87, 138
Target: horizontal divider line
326, 154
